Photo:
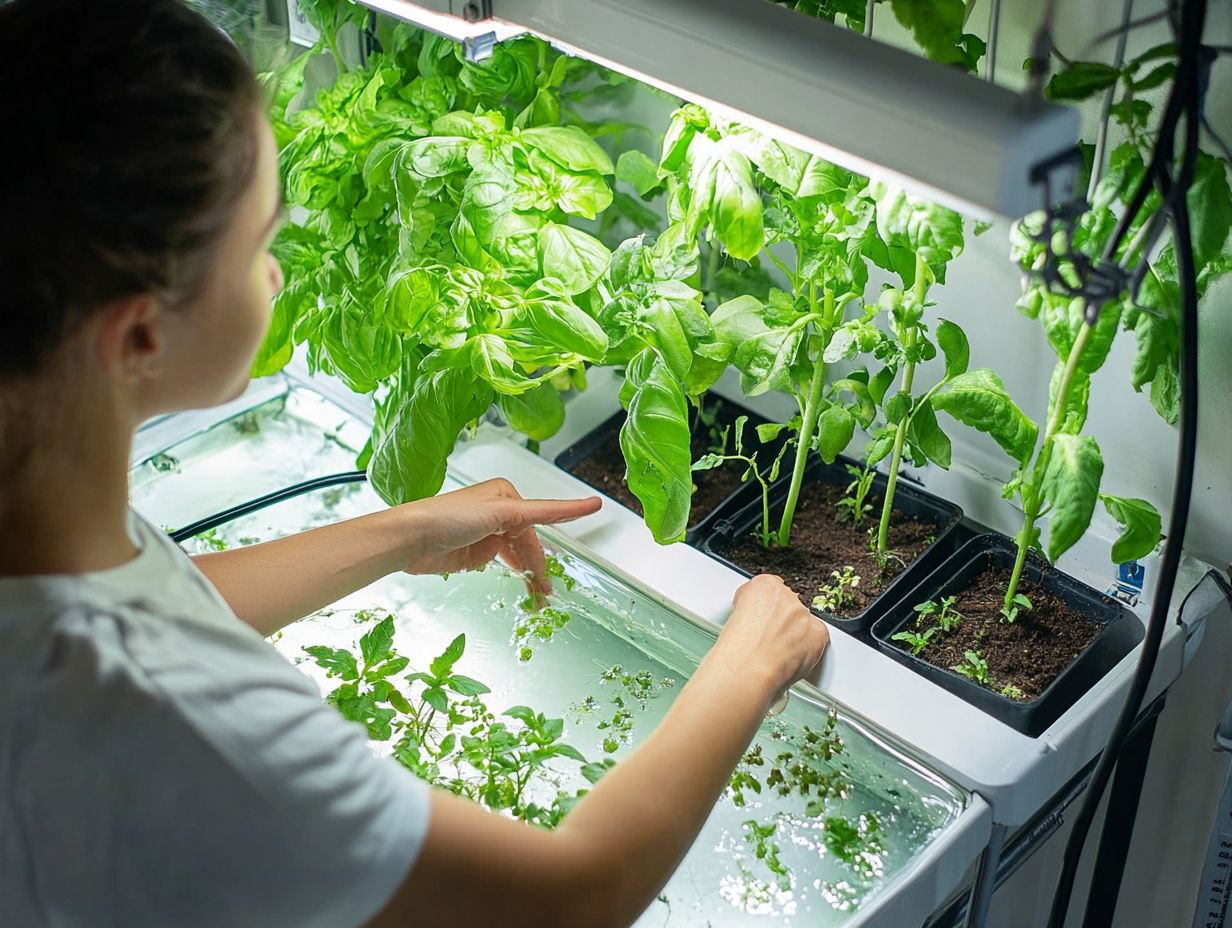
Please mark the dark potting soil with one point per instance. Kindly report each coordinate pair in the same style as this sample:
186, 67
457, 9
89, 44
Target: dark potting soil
604, 469
820, 544
1028, 653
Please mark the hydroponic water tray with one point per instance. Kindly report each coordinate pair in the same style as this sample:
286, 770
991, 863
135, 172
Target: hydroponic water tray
866, 833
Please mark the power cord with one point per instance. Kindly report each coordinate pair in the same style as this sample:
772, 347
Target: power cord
1185, 100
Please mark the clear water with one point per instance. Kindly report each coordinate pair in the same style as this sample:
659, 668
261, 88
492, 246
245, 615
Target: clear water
831, 869
294, 437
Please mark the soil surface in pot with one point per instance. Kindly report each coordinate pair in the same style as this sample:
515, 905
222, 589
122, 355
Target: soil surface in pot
1028, 653
820, 544
604, 469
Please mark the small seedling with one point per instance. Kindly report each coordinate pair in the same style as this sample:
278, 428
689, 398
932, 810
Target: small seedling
974, 667
833, 595
853, 506
947, 616
751, 472
1011, 609
915, 641
1012, 691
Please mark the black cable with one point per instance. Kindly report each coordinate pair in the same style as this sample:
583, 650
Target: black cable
1188, 89
261, 502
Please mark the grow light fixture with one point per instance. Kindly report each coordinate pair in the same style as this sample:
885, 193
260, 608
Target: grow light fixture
867, 106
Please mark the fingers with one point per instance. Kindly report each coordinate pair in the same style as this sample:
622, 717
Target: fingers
523, 551
523, 513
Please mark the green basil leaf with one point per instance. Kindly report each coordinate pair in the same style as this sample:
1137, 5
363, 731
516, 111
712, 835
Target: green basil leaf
569, 147
278, 345
465, 686
537, 413
409, 461
1081, 80
656, 439
550, 328
926, 436
898, 407
434, 156
954, 345
377, 643
573, 257
763, 355
978, 398
585, 195
835, 427
1141, 527
1210, 208
437, 698
337, 662
441, 665
736, 209
638, 171
1075, 415
1071, 486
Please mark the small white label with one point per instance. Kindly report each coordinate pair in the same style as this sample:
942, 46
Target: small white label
302, 32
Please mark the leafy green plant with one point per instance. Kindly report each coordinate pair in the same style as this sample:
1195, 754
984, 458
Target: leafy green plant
974, 667
916, 641
752, 470
1061, 479
852, 507
437, 260
833, 595
445, 733
751, 195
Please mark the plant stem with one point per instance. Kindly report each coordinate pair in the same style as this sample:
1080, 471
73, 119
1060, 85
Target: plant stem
812, 409
712, 273
908, 339
896, 457
1029, 491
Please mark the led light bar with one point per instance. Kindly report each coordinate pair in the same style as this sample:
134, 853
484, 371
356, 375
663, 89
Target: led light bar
867, 106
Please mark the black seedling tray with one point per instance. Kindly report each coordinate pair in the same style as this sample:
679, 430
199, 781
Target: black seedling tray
744, 516
1121, 633
728, 413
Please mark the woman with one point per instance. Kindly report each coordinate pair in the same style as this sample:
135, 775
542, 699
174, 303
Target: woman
160, 764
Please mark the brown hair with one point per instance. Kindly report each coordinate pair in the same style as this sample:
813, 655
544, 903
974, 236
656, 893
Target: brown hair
129, 138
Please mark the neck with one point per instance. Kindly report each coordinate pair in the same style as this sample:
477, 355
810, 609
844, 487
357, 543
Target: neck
63, 481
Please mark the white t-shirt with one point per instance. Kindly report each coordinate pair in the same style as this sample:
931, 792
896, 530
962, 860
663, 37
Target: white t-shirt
162, 765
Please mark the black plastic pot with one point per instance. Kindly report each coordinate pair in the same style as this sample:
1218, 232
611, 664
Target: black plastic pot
1120, 634
569, 459
744, 517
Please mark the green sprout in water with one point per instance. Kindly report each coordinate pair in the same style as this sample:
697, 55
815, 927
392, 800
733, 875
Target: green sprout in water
247, 424
554, 567
852, 507
444, 732
165, 463
211, 540
833, 595
631, 691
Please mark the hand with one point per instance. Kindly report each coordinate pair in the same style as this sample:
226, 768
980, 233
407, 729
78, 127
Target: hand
770, 635
467, 528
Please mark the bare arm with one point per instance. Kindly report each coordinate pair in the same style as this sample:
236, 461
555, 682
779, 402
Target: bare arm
619, 845
272, 584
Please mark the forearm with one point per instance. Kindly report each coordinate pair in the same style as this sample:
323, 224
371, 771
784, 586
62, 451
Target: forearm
641, 819
273, 584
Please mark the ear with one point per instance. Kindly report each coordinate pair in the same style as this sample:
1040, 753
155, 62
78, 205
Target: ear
130, 338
